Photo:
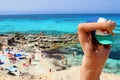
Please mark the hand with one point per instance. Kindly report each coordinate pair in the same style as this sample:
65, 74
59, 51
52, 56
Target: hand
110, 26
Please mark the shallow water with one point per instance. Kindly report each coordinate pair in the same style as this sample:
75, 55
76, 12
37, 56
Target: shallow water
112, 64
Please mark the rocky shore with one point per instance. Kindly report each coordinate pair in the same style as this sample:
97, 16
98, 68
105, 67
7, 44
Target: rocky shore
46, 42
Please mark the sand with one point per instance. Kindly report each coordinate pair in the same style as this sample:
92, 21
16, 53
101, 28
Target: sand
69, 74
44, 69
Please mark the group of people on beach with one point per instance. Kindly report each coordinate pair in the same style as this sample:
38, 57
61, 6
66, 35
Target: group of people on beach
9, 56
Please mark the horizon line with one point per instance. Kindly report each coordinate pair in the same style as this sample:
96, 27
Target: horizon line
51, 13
3, 12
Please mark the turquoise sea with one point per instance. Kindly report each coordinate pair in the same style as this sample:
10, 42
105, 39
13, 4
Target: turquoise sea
57, 24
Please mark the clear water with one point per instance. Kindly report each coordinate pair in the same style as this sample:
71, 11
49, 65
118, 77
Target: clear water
48, 22
56, 24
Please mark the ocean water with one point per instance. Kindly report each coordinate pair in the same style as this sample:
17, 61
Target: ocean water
57, 24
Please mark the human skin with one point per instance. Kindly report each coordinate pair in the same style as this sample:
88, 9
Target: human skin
94, 58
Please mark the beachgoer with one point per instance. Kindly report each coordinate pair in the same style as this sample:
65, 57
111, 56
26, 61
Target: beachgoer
96, 48
29, 60
14, 59
20, 73
12, 48
50, 70
66, 61
8, 49
9, 56
2, 52
22, 44
62, 61
33, 56
74, 54
1, 68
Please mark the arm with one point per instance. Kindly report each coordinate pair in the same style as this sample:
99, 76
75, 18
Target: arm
85, 28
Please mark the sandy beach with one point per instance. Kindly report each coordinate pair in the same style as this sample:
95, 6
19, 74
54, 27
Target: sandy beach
69, 74
39, 70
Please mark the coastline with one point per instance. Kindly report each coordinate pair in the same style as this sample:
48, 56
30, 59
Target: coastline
52, 65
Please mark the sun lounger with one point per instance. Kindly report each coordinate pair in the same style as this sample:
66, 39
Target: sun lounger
12, 70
